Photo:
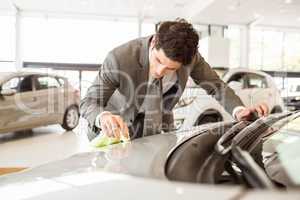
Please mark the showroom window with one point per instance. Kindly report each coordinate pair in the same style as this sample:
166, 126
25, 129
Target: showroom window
292, 51
234, 35
88, 78
256, 49
274, 50
7, 42
64, 40
148, 29
73, 40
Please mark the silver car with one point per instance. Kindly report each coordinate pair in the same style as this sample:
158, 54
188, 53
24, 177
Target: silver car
196, 107
29, 100
178, 165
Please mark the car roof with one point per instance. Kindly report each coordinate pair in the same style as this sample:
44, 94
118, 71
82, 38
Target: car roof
7, 75
246, 70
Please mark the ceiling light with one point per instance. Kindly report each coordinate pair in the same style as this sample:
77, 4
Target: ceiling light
283, 10
232, 7
84, 2
257, 15
179, 5
298, 19
288, 1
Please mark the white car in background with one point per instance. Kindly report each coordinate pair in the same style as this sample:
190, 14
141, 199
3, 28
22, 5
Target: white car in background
196, 107
291, 97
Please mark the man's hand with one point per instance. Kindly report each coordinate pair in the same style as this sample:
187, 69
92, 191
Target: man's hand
113, 126
246, 114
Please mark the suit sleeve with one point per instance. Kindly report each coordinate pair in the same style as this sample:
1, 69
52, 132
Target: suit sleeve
98, 94
207, 78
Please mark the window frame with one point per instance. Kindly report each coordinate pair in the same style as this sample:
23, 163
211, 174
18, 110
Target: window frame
35, 82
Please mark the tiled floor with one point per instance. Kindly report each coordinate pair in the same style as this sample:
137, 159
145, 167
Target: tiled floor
41, 145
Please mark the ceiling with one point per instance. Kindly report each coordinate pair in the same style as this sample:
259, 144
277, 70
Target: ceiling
6, 6
284, 13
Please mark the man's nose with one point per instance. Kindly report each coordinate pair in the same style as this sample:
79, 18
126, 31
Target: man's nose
160, 70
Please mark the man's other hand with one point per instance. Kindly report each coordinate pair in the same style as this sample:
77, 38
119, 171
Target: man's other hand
247, 113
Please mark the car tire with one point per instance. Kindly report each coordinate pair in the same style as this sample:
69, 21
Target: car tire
211, 118
71, 118
276, 109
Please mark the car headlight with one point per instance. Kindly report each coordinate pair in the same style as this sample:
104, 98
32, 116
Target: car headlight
297, 98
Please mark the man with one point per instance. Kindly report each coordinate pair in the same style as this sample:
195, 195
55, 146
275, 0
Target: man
141, 81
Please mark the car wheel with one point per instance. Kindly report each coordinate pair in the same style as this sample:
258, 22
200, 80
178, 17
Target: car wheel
276, 109
71, 118
212, 118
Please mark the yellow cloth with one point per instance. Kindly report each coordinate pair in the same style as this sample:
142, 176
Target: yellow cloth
102, 140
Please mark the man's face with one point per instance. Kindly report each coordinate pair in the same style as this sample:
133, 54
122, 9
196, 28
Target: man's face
160, 64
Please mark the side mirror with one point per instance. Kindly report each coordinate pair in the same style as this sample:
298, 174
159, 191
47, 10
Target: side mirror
235, 85
8, 92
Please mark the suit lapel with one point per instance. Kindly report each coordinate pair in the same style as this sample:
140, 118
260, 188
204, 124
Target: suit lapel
142, 73
182, 74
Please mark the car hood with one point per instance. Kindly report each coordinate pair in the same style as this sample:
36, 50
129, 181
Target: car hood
123, 158
126, 170
96, 185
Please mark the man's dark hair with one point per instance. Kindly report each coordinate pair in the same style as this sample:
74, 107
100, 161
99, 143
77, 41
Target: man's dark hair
178, 39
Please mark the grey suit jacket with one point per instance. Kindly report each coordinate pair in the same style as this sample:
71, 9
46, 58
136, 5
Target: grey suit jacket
120, 85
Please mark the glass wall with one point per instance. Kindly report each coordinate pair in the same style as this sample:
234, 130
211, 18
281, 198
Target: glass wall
65, 40
7, 42
234, 35
256, 49
274, 50
292, 51
87, 79
7, 66
148, 29
73, 40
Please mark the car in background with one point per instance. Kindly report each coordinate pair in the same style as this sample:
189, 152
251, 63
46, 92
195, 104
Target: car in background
29, 100
177, 165
291, 97
196, 107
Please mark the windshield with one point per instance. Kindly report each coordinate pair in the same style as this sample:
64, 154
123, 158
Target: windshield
295, 88
292, 126
220, 72
283, 148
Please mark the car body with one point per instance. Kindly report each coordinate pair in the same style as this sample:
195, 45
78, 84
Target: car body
29, 100
196, 107
291, 97
140, 169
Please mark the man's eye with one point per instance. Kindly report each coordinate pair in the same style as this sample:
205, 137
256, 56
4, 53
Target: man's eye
158, 60
171, 69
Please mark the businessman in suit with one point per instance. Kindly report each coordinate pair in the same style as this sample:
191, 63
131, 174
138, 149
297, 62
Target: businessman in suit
141, 81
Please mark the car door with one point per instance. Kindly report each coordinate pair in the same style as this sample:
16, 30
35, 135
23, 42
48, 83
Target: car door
18, 110
49, 92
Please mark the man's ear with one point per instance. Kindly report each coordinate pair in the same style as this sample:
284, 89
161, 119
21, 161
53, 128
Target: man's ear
152, 43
